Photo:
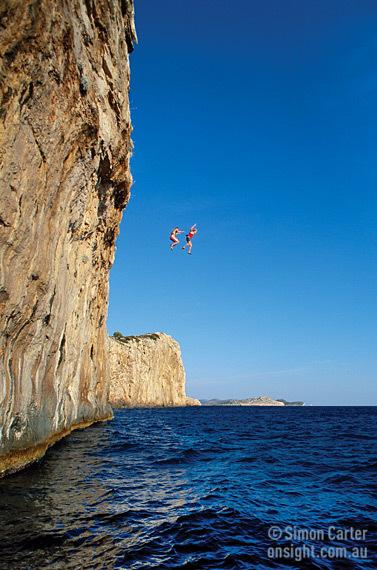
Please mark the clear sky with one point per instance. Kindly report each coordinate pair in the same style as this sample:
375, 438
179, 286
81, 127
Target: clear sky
257, 121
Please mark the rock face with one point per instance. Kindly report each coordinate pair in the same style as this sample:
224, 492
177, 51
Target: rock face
147, 371
64, 156
257, 401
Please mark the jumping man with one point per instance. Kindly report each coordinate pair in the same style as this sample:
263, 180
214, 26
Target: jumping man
189, 236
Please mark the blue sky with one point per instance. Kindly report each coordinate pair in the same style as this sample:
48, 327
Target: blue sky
257, 121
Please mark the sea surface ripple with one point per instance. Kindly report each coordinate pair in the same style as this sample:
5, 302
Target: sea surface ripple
190, 488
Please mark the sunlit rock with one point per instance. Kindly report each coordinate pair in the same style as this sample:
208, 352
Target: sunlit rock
147, 370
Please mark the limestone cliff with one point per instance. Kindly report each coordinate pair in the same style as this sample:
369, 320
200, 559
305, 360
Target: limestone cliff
64, 157
147, 370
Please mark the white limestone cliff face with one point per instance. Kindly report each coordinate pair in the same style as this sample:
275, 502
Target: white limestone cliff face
64, 157
146, 371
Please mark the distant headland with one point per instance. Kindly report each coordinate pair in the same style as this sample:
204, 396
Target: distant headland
254, 401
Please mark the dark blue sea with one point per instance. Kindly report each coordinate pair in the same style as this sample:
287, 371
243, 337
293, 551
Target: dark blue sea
197, 488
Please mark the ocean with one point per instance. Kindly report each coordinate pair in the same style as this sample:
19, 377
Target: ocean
198, 488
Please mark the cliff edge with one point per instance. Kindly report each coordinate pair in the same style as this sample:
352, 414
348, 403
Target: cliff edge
65, 147
147, 371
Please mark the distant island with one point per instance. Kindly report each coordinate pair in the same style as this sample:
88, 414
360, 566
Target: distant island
298, 403
255, 401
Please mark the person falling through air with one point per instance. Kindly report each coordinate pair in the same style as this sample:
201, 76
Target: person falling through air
173, 237
189, 236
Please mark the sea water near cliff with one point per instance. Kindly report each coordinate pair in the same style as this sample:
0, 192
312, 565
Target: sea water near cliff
200, 488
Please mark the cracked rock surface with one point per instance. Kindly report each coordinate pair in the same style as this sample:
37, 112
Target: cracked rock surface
64, 156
